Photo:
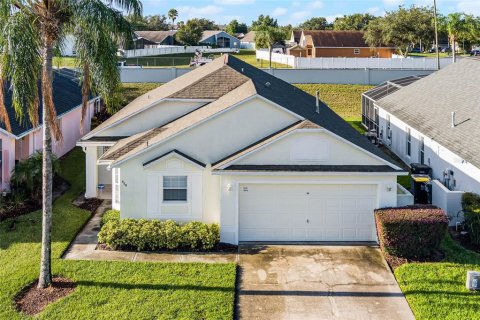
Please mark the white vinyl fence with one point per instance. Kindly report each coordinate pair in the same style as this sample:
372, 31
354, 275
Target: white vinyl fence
354, 63
163, 50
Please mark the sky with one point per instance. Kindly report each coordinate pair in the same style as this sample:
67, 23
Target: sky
292, 11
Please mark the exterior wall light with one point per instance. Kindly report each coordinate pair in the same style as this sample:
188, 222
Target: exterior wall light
229, 187
389, 188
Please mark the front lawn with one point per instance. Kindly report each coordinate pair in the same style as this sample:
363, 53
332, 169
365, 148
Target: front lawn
437, 290
107, 290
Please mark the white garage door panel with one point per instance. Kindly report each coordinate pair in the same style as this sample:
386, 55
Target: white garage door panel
307, 212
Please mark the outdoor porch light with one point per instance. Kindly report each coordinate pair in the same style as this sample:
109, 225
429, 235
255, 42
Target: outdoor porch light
229, 187
389, 188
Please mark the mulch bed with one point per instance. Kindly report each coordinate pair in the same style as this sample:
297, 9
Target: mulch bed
463, 239
33, 300
394, 262
91, 204
219, 248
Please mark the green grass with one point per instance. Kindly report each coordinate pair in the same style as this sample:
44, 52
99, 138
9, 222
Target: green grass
64, 62
107, 290
437, 290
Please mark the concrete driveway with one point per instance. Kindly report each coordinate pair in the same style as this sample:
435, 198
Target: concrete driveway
317, 282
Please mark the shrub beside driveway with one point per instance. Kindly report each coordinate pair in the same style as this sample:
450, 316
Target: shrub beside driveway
108, 290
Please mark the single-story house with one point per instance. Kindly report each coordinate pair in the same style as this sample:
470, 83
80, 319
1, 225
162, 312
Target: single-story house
332, 43
153, 39
248, 41
231, 144
433, 120
24, 139
220, 39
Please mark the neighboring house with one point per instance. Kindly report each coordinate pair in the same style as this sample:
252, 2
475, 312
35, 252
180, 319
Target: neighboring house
294, 37
220, 39
248, 41
154, 39
231, 144
434, 120
330, 43
25, 140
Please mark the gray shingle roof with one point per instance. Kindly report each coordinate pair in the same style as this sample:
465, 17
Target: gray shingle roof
427, 104
155, 36
67, 95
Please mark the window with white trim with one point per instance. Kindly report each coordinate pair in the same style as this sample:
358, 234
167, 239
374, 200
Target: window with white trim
421, 156
174, 188
356, 51
409, 142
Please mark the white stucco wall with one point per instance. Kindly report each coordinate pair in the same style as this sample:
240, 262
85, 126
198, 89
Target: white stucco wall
153, 117
437, 157
8, 158
207, 142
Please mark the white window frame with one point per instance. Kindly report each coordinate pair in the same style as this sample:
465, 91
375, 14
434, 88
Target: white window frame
356, 51
408, 144
175, 188
421, 150
116, 188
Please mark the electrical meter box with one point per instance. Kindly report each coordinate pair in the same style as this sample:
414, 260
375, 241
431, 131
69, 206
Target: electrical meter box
473, 280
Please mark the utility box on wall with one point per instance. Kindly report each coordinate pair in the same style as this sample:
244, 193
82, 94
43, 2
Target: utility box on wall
473, 280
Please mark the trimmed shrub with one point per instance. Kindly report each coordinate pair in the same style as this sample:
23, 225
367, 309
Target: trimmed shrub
109, 216
471, 210
147, 235
412, 231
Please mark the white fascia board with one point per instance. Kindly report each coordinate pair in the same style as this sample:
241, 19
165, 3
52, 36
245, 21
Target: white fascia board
170, 155
148, 106
184, 130
81, 143
306, 173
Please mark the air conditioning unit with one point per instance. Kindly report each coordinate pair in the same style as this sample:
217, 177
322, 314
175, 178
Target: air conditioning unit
473, 280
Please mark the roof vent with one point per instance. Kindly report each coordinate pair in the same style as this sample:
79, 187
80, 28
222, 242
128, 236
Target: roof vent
242, 70
453, 119
267, 84
317, 101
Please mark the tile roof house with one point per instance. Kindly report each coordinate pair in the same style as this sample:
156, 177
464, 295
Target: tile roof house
231, 144
24, 139
220, 39
152, 39
333, 43
433, 120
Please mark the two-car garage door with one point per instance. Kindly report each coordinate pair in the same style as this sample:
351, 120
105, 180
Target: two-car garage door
300, 212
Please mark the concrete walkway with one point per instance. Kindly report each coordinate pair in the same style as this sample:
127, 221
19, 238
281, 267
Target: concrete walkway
85, 244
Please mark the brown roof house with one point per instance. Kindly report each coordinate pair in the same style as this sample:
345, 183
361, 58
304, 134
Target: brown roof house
230, 144
330, 43
152, 39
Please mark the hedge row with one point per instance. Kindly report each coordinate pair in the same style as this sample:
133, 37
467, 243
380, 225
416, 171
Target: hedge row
412, 231
109, 216
149, 235
471, 209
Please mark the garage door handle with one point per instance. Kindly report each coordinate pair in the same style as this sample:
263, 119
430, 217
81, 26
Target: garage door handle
308, 221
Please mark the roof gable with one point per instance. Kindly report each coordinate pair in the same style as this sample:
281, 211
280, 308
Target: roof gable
336, 39
177, 154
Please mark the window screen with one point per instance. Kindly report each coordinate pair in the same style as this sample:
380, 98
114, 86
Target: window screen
175, 188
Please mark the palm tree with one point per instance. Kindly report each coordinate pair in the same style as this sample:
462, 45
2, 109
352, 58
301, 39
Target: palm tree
173, 14
30, 31
456, 28
267, 37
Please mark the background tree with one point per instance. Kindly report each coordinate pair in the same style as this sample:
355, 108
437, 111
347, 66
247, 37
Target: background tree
30, 31
264, 21
234, 27
207, 24
267, 37
190, 33
458, 29
317, 23
150, 23
402, 28
356, 21
173, 15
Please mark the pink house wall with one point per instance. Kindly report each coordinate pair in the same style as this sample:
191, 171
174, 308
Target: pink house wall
70, 126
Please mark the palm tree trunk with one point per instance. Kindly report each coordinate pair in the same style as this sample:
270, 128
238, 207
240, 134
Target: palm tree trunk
454, 54
45, 278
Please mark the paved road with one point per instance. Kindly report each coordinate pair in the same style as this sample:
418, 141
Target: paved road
318, 282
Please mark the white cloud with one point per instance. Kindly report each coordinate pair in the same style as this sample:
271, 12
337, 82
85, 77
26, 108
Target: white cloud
316, 5
376, 11
331, 19
469, 7
279, 12
233, 2
299, 16
393, 3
